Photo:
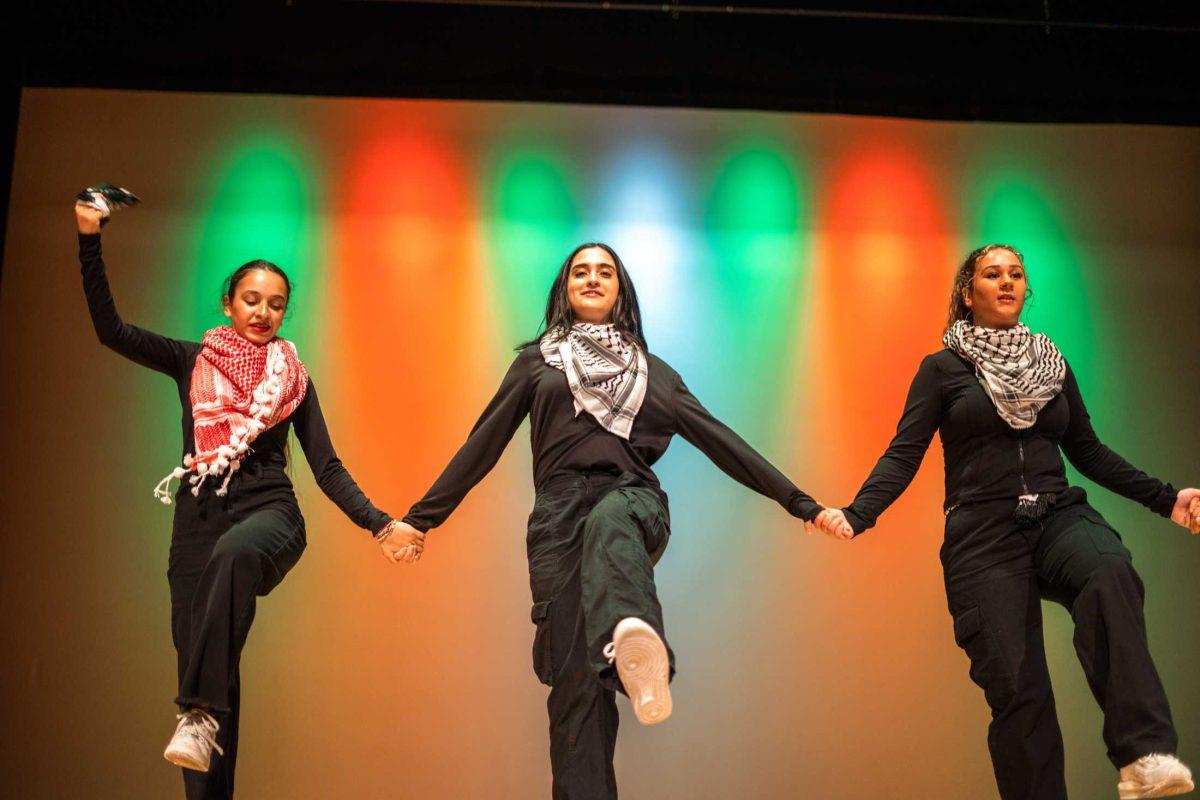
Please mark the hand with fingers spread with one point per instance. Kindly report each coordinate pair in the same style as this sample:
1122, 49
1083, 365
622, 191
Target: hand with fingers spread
401, 542
1187, 510
833, 522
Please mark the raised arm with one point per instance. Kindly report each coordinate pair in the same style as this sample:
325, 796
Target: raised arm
483, 448
1099, 463
735, 457
331, 475
170, 356
899, 464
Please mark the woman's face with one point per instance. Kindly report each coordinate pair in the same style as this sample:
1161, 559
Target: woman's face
259, 300
592, 285
997, 292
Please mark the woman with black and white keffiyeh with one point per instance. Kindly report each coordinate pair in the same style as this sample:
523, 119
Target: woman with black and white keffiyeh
1005, 402
602, 410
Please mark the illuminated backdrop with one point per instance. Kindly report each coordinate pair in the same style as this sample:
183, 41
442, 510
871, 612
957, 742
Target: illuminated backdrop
793, 268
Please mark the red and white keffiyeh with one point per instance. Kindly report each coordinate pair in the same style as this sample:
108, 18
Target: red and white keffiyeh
239, 389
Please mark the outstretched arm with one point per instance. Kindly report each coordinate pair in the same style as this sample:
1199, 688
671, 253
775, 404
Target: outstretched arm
899, 464
736, 458
170, 356
483, 448
1098, 462
340, 487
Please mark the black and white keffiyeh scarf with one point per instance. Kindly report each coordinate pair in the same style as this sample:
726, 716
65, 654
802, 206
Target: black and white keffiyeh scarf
1021, 371
607, 373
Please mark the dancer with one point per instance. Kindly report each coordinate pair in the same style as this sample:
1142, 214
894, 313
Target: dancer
237, 528
602, 411
1005, 402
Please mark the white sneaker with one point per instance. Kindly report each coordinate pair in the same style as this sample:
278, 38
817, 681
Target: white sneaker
643, 667
1155, 775
194, 740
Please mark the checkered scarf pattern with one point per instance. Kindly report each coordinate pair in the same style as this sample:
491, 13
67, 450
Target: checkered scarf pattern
239, 389
1020, 371
607, 373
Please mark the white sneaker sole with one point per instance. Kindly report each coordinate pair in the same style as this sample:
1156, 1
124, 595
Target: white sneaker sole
1169, 788
644, 669
181, 759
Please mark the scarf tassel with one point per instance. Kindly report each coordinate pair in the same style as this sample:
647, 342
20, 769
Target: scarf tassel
1032, 508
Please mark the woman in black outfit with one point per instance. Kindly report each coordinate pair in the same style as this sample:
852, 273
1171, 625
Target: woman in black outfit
240, 391
1005, 402
602, 411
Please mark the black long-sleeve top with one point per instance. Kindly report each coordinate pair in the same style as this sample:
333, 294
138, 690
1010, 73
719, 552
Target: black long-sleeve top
985, 458
563, 441
176, 358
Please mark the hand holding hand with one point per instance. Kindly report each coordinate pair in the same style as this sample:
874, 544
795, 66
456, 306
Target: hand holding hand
1187, 510
401, 542
833, 522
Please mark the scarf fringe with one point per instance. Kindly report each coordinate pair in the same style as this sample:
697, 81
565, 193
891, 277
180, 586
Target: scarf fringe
1032, 508
227, 458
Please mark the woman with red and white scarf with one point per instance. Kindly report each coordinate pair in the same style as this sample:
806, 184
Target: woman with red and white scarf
237, 527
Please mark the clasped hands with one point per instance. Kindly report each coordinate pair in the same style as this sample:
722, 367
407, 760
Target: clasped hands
1186, 512
833, 522
401, 543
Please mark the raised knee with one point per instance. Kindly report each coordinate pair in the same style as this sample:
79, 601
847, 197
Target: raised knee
1112, 568
235, 553
611, 508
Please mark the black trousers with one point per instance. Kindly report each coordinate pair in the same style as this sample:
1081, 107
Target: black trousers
593, 540
996, 576
215, 578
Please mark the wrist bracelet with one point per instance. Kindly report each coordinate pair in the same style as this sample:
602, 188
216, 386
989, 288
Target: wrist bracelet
387, 531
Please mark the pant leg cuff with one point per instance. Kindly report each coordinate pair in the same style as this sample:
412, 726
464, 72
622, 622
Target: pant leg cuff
191, 701
1127, 755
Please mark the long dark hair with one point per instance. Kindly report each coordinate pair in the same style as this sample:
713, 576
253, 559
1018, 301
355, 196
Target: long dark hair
231, 283
966, 274
626, 314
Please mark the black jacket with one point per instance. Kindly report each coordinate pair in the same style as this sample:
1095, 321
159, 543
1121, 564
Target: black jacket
267, 463
563, 441
985, 458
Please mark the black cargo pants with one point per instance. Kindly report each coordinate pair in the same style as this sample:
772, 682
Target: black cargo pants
593, 540
996, 576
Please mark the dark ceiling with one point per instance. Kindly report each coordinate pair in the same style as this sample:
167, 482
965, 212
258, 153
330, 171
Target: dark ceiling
1020, 60
1036, 60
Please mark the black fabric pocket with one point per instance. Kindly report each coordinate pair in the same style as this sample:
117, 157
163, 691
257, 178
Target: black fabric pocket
1104, 544
543, 662
987, 671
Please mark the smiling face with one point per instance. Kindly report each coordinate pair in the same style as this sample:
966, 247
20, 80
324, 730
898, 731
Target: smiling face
997, 292
258, 303
592, 285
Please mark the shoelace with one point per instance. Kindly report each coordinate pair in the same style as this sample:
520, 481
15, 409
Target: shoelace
201, 726
610, 652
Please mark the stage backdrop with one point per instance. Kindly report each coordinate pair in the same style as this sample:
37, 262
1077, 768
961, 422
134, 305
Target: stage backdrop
793, 268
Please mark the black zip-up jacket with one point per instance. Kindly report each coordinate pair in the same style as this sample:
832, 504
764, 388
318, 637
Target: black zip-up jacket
267, 462
563, 441
985, 458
